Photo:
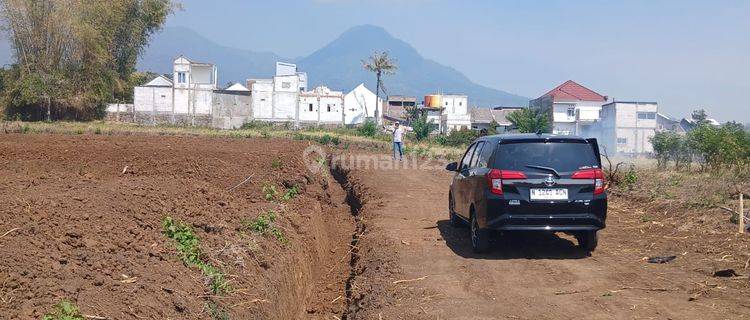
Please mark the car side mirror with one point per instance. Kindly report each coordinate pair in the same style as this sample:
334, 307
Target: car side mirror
453, 166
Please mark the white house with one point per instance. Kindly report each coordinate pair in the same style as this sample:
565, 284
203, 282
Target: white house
359, 104
194, 83
573, 108
154, 96
321, 106
626, 127
278, 99
455, 111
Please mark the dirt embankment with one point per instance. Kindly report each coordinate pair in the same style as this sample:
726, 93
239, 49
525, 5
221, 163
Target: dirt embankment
85, 218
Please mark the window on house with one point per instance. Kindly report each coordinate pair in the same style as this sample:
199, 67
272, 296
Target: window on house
571, 112
622, 140
181, 77
647, 115
460, 103
286, 85
310, 107
262, 100
329, 108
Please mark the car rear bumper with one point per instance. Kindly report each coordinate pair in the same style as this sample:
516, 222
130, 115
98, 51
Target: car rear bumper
549, 222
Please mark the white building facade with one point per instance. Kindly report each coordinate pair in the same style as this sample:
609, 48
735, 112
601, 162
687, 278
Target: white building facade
626, 127
359, 105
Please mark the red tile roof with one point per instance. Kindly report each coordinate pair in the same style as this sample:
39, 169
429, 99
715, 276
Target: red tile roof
572, 91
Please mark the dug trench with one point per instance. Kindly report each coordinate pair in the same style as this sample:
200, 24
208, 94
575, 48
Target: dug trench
87, 215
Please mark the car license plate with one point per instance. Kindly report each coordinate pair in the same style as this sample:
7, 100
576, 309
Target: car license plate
549, 194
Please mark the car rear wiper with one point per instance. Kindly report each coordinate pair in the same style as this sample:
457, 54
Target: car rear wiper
545, 169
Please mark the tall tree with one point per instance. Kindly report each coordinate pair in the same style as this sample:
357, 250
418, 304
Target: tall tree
381, 64
73, 56
530, 120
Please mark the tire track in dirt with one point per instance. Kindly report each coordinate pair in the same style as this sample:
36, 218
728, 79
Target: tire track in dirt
524, 277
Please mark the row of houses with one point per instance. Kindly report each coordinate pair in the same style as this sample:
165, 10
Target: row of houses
192, 96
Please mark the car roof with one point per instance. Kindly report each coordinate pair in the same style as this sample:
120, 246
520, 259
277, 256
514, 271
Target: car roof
531, 137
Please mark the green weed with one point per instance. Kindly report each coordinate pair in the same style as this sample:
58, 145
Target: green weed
98, 130
269, 192
216, 312
64, 310
25, 129
188, 245
276, 164
290, 193
265, 224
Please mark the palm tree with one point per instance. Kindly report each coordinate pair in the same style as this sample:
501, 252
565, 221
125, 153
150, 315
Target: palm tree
381, 64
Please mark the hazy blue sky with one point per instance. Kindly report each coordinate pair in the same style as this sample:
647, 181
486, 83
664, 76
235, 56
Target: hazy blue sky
682, 54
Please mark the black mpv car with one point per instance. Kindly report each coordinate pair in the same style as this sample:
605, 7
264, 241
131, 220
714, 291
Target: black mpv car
529, 182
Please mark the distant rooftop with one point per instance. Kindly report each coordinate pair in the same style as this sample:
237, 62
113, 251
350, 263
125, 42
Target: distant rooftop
572, 91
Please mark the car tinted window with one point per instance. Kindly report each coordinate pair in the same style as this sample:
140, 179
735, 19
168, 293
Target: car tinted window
485, 154
477, 151
562, 156
467, 157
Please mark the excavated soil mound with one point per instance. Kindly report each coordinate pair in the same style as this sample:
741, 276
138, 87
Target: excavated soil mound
81, 220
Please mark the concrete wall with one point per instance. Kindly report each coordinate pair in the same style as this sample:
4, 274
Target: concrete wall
152, 99
308, 108
285, 106
231, 110
331, 109
621, 130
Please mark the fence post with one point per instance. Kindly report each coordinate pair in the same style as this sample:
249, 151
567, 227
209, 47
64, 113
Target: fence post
742, 213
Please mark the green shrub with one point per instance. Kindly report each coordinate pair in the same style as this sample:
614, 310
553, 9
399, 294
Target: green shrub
459, 138
64, 310
325, 139
368, 129
255, 124
421, 127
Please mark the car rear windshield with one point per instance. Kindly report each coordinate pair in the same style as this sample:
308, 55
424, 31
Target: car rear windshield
561, 156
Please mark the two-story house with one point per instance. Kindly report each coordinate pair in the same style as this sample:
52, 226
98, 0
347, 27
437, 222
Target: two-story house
573, 108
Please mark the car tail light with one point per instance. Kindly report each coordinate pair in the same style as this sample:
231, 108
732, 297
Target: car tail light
495, 179
594, 174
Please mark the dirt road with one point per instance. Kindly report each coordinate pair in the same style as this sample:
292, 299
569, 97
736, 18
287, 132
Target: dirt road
431, 272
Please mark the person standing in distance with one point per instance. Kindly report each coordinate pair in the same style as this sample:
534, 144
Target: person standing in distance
397, 135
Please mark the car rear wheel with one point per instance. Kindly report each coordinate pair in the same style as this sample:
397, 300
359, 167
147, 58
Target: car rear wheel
455, 220
588, 240
479, 239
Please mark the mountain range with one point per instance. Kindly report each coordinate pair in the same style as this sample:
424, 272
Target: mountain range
337, 65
